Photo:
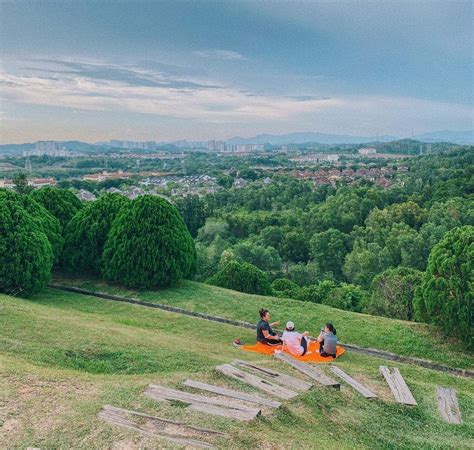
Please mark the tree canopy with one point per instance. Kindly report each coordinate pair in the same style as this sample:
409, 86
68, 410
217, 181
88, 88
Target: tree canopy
148, 245
87, 231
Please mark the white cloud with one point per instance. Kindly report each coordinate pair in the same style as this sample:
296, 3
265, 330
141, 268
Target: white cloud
220, 54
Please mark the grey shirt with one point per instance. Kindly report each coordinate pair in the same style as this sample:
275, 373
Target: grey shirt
330, 341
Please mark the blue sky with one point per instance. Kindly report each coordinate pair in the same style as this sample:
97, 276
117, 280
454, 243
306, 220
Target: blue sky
97, 70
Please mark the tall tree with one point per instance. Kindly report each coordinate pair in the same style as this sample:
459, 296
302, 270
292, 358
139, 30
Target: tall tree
148, 245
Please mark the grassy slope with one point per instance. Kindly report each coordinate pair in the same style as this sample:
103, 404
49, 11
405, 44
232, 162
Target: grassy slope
397, 336
63, 356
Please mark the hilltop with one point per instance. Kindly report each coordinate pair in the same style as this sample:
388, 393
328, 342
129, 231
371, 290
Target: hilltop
65, 355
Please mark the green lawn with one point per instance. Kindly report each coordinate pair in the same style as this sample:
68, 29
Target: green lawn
397, 336
65, 355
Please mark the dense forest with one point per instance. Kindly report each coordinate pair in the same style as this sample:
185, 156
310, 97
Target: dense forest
405, 252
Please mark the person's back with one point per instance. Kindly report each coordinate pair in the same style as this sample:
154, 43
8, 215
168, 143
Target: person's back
292, 342
330, 343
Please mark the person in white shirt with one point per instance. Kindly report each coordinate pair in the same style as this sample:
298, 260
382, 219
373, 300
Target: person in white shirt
294, 342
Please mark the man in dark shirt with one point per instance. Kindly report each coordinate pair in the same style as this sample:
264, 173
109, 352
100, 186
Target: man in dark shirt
265, 334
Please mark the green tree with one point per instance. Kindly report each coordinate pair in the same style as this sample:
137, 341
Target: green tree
272, 236
194, 212
285, 288
317, 293
226, 181
264, 258
445, 297
243, 277
44, 221
61, 203
294, 247
212, 228
26, 257
393, 292
20, 181
328, 250
364, 262
346, 296
87, 231
148, 245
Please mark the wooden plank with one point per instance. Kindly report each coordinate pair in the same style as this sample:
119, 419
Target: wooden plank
280, 378
236, 414
398, 386
163, 393
259, 383
232, 394
312, 372
361, 389
448, 405
176, 432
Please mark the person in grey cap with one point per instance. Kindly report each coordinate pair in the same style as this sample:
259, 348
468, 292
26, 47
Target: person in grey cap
294, 342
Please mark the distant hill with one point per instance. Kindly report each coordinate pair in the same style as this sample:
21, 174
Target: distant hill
76, 146
304, 137
456, 137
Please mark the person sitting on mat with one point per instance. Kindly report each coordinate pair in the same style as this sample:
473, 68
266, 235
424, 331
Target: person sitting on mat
327, 341
294, 342
265, 334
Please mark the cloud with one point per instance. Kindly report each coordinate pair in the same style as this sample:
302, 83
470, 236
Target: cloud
94, 86
228, 55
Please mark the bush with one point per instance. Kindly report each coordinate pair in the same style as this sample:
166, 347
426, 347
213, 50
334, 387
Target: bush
87, 231
61, 203
445, 297
393, 292
346, 296
317, 293
26, 256
43, 219
285, 288
148, 245
243, 277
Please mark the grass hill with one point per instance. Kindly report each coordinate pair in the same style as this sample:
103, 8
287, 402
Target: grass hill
63, 356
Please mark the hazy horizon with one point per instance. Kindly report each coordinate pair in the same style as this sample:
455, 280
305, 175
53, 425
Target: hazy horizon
95, 71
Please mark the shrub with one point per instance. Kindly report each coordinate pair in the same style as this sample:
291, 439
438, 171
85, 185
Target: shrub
243, 277
26, 256
87, 231
61, 203
43, 219
393, 292
148, 245
317, 293
445, 297
346, 296
285, 288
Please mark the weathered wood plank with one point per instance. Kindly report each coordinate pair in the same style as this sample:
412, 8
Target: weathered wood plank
163, 393
232, 393
280, 378
155, 426
259, 383
312, 372
236, 414
361, 389
448, 405
397, 385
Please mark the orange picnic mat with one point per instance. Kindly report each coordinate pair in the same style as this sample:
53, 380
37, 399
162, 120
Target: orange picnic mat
312, 357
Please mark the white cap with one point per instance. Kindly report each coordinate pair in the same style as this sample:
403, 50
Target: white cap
290, 325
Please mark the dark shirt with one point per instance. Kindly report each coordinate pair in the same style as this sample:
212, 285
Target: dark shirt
264, 325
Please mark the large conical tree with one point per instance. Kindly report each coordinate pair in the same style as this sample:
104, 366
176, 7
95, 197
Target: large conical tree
446, 296
61, 203
45, 221
87, 231
149, 245
26, 256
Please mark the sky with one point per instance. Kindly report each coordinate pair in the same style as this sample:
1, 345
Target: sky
198, 70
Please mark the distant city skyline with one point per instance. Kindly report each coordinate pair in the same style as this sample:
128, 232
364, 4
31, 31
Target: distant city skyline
163, 71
